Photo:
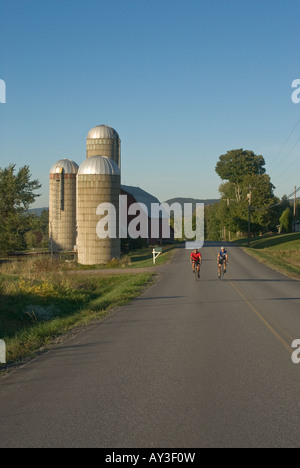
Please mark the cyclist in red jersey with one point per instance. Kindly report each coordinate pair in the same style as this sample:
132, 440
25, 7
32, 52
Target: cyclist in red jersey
196, 259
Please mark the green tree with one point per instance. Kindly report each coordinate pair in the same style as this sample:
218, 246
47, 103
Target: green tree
263, 201
16, 195
213, 223
284, 203
244, 173
235, 165
33, 239
286, 221
38, 230
44, 222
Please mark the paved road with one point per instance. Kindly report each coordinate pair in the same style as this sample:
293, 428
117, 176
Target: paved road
186, 365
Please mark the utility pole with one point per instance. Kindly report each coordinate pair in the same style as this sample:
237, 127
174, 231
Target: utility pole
295, 208
249, 214
228, 204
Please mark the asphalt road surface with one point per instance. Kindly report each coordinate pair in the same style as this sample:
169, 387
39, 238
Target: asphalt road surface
186, 365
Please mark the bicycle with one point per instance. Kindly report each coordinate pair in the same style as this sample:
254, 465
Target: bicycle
197, 272
222, 273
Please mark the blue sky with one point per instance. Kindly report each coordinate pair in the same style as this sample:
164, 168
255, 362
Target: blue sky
181, 81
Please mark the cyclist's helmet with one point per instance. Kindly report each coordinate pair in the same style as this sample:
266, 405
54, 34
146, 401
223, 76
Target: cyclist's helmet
223, 248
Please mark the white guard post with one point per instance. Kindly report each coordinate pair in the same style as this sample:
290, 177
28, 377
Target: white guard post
156, 252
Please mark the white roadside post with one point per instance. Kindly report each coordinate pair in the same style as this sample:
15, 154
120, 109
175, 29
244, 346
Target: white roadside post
156, 252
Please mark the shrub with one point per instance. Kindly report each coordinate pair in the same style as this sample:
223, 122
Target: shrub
286, 221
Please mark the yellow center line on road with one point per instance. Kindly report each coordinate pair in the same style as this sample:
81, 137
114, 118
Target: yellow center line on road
259, 315
271, 319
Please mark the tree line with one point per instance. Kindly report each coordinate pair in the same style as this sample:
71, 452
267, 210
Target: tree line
245, 182
20, 229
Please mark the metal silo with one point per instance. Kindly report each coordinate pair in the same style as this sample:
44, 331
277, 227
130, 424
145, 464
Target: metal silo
62, 206
104, 141
98, 182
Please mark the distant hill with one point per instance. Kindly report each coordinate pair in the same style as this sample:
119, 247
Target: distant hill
38, 211
191, 200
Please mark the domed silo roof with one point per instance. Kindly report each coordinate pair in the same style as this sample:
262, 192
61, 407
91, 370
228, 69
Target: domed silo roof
99, 165
103, 132
69, 167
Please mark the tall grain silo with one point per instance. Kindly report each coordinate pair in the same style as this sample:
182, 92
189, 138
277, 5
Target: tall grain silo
104, 141
98, 182
62, 205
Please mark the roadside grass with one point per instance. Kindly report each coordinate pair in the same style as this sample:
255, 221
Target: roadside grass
40, 304
144, 258
281, 252
141, 258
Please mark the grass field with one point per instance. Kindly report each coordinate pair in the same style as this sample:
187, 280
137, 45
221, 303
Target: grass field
40, 302
144, 258
280, 252
141, 258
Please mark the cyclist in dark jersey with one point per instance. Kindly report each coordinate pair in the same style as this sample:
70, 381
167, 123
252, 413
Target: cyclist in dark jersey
222, 260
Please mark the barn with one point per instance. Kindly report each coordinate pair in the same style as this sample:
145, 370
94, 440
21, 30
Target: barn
137, 195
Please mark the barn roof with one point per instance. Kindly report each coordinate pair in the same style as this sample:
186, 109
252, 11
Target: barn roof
140, 196
145, 198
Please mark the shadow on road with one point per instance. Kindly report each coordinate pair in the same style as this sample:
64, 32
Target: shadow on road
158, 298
257, 280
